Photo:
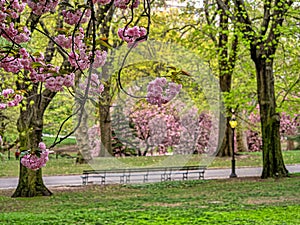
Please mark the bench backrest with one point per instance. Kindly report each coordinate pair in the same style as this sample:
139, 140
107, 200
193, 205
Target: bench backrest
145, 169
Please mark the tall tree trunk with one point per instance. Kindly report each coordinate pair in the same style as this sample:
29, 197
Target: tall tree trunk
30, 127
273, 164
105, 124
104, 18
227, 51
225, 148
82, 137
241, 138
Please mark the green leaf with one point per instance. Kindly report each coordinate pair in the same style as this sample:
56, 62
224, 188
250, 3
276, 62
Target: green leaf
66, 4
103, 43
36, 65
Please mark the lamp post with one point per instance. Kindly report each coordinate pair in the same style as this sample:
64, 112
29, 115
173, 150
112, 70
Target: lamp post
233, 124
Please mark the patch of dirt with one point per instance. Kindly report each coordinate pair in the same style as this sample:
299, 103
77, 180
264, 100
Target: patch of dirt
66, 148
270, 200
79, 188
163, 204
6, 192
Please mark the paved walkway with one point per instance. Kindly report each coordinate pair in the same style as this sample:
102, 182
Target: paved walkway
74, 180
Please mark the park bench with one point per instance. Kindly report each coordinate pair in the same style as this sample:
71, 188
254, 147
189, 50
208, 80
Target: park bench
143, 174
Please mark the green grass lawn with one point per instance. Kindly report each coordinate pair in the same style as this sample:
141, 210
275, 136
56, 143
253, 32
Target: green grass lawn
50, 140
232, 201
67, 166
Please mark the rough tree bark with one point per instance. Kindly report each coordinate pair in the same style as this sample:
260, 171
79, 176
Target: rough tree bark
30, 127
240, 139
273, 164
105, 123
105, 16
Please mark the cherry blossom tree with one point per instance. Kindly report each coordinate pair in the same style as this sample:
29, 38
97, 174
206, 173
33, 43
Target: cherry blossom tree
41, 76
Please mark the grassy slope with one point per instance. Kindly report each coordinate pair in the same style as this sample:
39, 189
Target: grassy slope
238, 201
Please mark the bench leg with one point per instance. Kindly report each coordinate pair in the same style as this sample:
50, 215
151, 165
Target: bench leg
84, 180
168, 176
103, 180
185, 176
201, 175
163, 177
122, 179
145, 178
127, 178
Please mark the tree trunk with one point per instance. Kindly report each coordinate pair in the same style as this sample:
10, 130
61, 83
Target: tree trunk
30, 184
241, 139
273, 165
290, 145
30, 127
226, 146
227, 51
105, 130
82, 137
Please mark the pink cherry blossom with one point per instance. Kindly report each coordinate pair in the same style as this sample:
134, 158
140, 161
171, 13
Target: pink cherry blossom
100, 59
7, 92
95, 86
160, 92
102, 2
42, 146
42, 6
3, 106
132, 35
74, 17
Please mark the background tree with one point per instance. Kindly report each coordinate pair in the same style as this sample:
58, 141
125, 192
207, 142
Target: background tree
262, 32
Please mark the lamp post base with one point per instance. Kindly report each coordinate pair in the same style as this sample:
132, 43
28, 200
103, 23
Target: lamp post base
233, 174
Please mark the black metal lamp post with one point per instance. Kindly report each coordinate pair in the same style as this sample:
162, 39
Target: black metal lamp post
233, 124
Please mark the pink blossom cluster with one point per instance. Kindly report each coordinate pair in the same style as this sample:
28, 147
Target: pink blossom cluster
133, 35
254, 141
100, 59
45, 73
42, 6
79, 57
94, 140
95, 86
102, 2
65, 42
160, 92
15, 64
203, 132
11, 99
12, 34
288, 125
123, 4
80, 60
253, 136
15, 8
56, 84
158, 127
33, 162
10, 64
72, 17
